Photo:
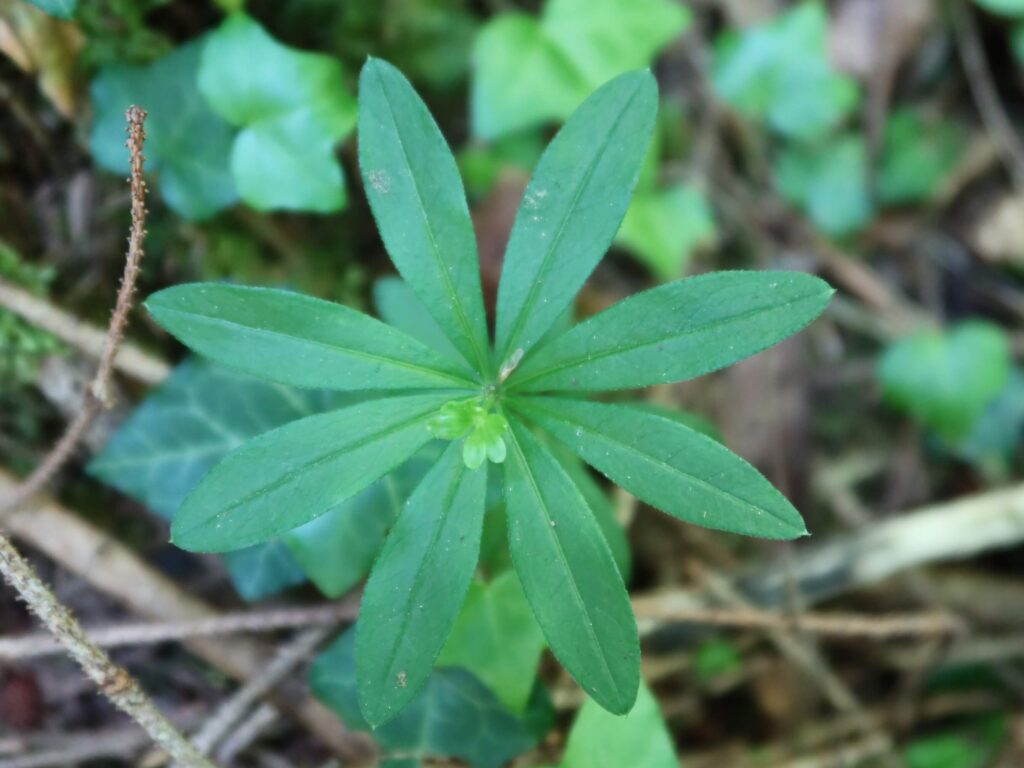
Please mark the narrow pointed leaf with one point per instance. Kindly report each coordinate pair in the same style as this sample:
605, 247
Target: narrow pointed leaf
417, 586
569, 575
668, 465
298, 340
573, 206
398, 305
289, 476
415, 191
676, 331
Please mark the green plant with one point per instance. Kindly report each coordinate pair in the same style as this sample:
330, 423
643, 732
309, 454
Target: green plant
946, 380
290, 109
488, 400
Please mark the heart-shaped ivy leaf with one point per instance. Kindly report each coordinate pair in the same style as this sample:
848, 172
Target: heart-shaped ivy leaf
293, 108
946, 380
187, 144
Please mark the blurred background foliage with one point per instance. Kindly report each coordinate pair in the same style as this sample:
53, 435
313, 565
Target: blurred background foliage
871, 141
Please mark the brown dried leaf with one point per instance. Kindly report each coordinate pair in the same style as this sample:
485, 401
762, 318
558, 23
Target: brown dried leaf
44, 46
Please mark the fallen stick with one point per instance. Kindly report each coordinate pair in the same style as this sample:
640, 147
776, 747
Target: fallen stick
85, 337
117, 571
954, 530
39, 644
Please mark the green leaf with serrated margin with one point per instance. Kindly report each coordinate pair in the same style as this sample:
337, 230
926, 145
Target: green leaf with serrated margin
572, 208
414, 189
417, 586
569, 575
676, 331
669, 466
299, 340
287, 477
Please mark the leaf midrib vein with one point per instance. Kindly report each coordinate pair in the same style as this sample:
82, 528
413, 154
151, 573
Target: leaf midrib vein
337, 348
430, 551
582, 358
651, 459
549, 530
434, 249
524, 309
287, 477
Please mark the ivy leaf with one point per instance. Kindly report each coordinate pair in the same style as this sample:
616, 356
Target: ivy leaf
997, 433
669, 466
293, 108
299, 340
569, 576
639, 740
829, 181
779, 72
414, 189
918, 155
572, 208
337, 549
946, 380
287, 477
62, 9
530, 71
663, 227
1005, 7
188, 424
675, 331
187, 144
435, 722
264, 570
497, 639
417, 586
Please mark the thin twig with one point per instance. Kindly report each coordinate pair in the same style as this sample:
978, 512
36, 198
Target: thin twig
832, 624
113, 681
248, 731
85, 337
117, 571
98, 395
806, 657
238, 706
146, 633
983, 89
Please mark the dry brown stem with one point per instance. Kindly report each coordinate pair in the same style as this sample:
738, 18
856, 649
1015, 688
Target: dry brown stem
98, 397
113, 681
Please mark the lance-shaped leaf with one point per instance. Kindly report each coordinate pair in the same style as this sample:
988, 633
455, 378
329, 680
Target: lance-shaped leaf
287, 477
668, 465
572, 207
675, 332
415, 191
417, 586
569, 575
299, 340
398, 305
